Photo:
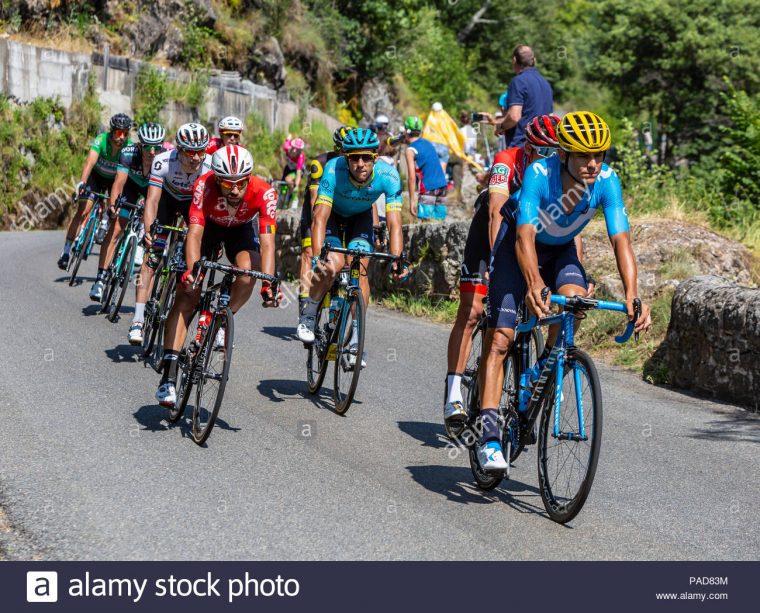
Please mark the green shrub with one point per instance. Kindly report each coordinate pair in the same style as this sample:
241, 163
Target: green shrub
151, 93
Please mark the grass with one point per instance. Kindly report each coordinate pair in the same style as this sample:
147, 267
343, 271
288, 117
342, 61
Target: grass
439, 310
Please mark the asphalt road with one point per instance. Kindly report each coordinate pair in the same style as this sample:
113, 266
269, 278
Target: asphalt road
89, 469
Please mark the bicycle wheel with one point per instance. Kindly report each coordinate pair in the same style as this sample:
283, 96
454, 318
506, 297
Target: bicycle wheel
470, 374
316, 358
123, 276
153, 310
347, 377
185, 367
509, 396
212, 375
112, 278
87, 235
165, 306
567, 464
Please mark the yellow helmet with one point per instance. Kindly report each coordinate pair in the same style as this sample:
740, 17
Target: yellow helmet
583, 132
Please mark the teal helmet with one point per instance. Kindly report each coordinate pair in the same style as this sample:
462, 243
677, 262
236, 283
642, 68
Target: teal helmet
413, 124
360, 139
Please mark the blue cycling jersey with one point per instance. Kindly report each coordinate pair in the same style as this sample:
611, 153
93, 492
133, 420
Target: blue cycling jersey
427, 160
339, 191
540, 203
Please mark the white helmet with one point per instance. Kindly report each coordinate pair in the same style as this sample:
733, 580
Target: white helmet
230, 123
437, 107
151, 134
382, 120
232, 162
192, 136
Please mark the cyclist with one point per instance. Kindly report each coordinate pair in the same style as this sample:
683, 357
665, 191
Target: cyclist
97, 176
230, 130
295, 161
422, 154
317, 168
535, 249
131, 182
225, 201
505, 179
170, 192
343, 216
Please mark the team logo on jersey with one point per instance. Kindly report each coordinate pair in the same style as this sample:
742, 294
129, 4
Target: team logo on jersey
157, 165
221, 204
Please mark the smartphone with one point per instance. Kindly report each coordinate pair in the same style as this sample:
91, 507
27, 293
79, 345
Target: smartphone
476, 117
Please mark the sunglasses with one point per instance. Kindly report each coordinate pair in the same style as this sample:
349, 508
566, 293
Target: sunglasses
120, 133
545, 152
230, 133
364, 157
226, 184
152, 148
193, 153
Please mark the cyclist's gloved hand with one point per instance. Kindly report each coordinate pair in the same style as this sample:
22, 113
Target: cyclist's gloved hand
188, 278
400, 270
268, 294
538, 304
317, 265
591, 287
148, 239
80, 188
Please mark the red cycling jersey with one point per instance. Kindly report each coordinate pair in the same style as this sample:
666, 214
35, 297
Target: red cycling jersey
507, 171
214, 144
210, 205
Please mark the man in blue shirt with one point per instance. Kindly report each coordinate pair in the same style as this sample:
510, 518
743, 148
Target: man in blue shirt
421, 153
529, 95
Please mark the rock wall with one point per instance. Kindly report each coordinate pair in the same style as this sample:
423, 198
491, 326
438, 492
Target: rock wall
713, 342
28, 71
667, 251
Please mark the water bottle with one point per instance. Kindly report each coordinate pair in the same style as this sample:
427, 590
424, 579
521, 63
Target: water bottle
203, 321
335, 304
527, 380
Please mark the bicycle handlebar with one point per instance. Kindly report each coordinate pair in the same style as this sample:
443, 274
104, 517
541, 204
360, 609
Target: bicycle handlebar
157, 228
228, 269
581, 303
359, 253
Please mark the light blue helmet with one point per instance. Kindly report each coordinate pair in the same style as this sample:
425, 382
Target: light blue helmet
360, 139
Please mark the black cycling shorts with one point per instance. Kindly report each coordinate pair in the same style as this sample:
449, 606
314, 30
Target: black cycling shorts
99, 184
235, 239
169, 207
355, 232
477, 251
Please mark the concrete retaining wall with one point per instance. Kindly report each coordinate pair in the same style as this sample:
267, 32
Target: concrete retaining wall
28, 71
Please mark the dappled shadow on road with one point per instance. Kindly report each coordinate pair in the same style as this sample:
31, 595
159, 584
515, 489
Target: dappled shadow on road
155, 418
77, 283
152, 418
286, 333
732, 428
91, 309
124, 353
429, 434
281, 390
457, 484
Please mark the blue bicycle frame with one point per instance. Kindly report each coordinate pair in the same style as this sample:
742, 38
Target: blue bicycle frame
557, 359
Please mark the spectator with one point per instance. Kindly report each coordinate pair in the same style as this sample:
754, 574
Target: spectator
438, 140
420, 153
529, 95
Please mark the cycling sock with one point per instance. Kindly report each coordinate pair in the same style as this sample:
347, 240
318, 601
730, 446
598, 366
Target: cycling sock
170, 367
354, 333
101, 274
139, 312
453, 389
67, 247
489, 420
311, 307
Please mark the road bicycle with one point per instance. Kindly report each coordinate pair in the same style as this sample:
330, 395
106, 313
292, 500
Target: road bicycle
82, 246
565, 393
169, 263
122, 267
333, 329
204, 361
469, 381
284, 193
